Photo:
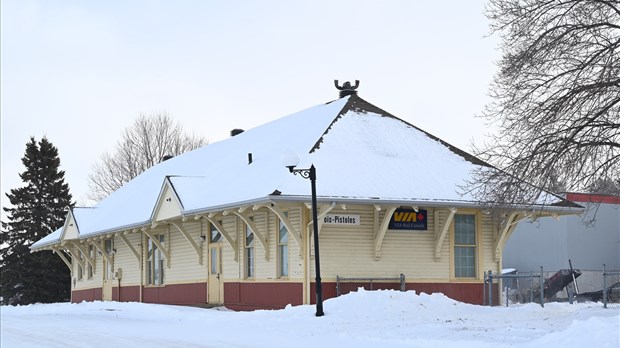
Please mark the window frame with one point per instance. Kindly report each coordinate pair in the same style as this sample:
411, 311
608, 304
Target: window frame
215, 265
212, 228
157, 261
249, 254
80, 270
108, 247
90, 269
476, 246
280, 247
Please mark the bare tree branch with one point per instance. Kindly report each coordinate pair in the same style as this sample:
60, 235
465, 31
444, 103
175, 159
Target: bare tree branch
141, 146
556, 99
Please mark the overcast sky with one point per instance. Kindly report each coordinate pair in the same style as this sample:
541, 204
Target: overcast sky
79, 72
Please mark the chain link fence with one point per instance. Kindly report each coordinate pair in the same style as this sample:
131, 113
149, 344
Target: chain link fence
611, 293
558, 286
516, 287
345, 285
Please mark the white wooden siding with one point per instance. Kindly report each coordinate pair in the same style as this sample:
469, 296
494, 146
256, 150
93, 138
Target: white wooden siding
126, 260
349, 250
184, 261
97, 280
489, 233
345, 250
232, 269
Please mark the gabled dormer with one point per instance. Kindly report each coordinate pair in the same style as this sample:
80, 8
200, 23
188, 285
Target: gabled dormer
168, 204
70, 230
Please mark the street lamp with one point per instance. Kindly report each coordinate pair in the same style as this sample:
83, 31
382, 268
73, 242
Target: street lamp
291, 163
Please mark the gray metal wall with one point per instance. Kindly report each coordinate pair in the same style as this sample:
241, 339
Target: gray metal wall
550, 242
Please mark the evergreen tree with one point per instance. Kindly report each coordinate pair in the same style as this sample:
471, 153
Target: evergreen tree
38, 209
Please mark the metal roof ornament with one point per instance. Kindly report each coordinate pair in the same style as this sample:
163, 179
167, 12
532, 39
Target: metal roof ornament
346, 88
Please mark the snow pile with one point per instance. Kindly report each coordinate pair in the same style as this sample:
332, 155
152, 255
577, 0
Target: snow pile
361, 319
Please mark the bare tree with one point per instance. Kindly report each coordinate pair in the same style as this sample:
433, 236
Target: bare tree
608, 187
555, 100
145, 143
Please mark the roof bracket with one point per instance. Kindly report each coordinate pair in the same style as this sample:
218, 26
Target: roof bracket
323, 210
155, 240
63, 258
440, 233
287, 223
225, 234
250, 223
123, 237
190, 240
380, 233
101, 250
504, 233
85, 254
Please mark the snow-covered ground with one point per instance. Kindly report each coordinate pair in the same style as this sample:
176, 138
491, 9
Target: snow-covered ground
361, 319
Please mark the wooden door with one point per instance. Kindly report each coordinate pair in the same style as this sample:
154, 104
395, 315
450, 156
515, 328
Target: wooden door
215, 273
108, 271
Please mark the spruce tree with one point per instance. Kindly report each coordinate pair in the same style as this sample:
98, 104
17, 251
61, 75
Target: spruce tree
38, 209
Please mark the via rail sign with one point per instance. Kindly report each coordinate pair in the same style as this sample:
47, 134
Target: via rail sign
408, 219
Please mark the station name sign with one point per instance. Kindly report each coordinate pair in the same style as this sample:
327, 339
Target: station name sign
341, 219
408, 219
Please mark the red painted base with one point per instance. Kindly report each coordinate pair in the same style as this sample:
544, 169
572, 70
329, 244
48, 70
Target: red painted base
126, 294
464, 292
89, 295
251, 296
181, 294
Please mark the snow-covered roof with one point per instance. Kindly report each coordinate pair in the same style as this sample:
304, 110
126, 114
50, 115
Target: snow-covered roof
361, 154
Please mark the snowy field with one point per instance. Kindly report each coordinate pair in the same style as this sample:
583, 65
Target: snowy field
362, 319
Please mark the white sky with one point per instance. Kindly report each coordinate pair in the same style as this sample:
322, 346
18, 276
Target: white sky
80, 72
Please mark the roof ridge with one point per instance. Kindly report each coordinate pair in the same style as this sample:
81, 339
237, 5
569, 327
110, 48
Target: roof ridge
356, 103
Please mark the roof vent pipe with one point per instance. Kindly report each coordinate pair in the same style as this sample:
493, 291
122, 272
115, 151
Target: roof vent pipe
236, 131
346, 88
249, 158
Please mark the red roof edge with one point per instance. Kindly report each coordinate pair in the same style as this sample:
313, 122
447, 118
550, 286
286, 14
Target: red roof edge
592, 198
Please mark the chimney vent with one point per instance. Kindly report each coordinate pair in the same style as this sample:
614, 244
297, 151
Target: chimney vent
236, 131
346, 88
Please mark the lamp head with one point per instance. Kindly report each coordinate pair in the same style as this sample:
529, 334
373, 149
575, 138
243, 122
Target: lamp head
290, 159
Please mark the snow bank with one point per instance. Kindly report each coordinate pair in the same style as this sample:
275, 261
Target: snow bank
359, 319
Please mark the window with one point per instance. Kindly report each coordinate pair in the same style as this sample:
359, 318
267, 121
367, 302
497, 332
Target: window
283, 249
155, 262
249, 252
215, 235
464, 246
80, 273
91, 254
214, 261
109, 247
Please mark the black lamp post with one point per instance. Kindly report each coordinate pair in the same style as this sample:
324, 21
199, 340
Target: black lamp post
311, 174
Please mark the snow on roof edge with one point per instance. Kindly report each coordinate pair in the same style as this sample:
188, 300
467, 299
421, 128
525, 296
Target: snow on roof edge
421, 202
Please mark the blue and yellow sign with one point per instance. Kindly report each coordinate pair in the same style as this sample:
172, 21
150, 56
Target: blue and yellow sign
408, 219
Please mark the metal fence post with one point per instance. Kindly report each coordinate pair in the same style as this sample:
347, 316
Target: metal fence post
403, 286
484, 290
490, 288
604, 287
542, 287
337, 286
531, 286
